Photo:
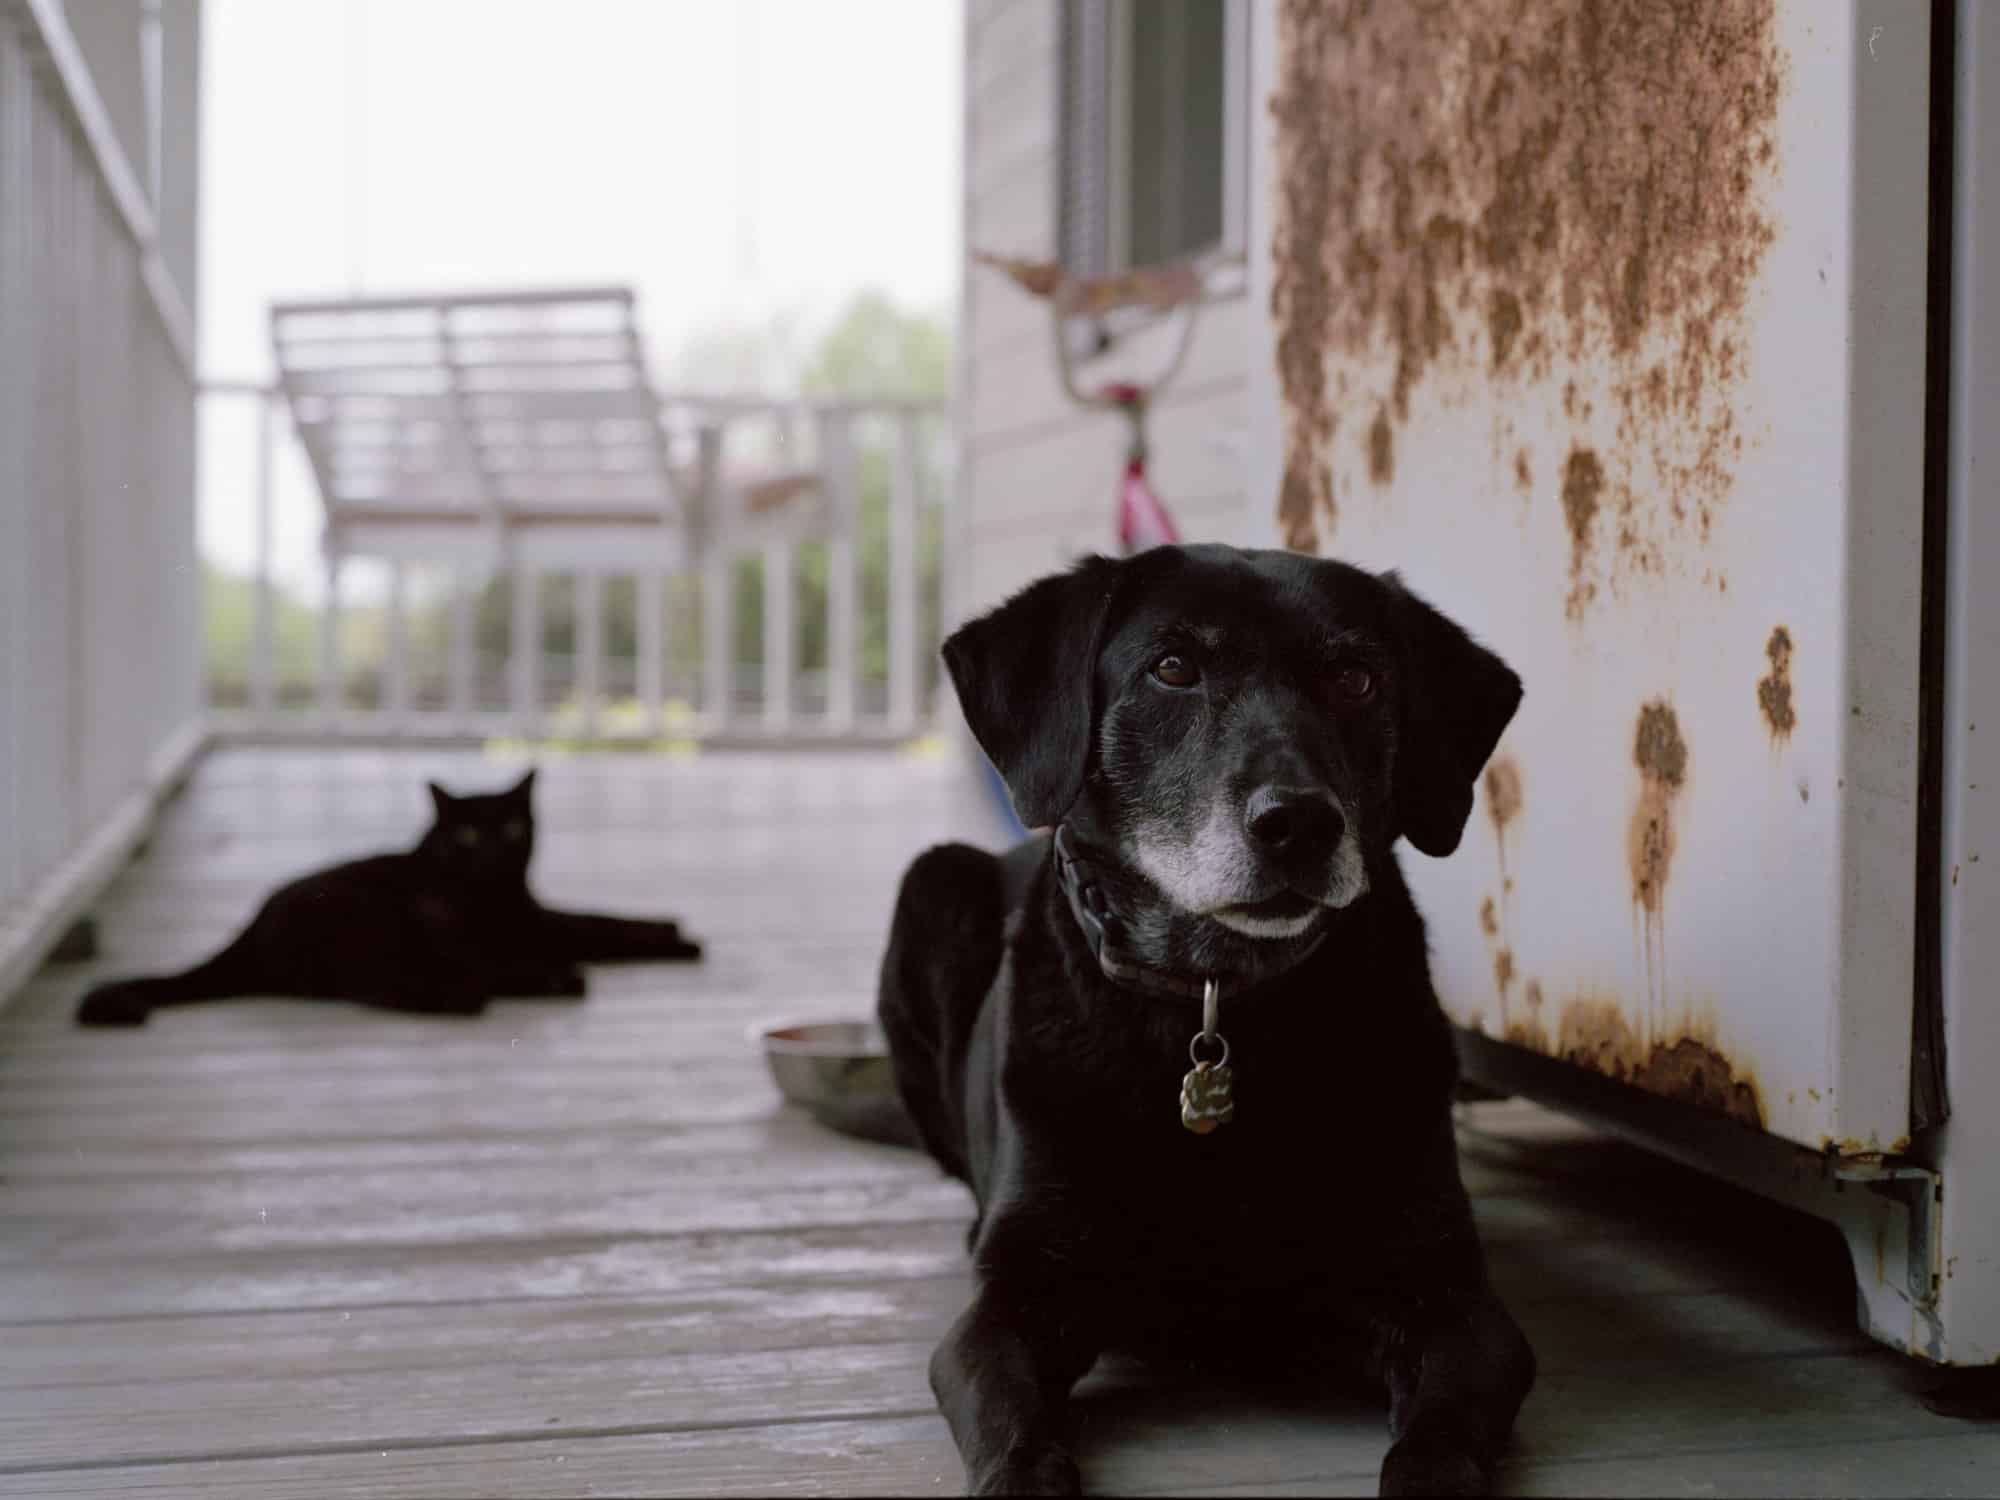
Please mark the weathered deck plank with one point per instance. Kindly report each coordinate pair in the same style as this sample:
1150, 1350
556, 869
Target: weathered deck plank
283, 1249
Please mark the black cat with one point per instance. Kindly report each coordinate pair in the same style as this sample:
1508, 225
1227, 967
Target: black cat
440, 930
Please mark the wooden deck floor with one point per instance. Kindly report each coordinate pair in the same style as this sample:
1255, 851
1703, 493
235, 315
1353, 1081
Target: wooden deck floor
270, 1250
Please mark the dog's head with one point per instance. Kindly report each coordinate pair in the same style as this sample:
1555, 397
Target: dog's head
1249, 731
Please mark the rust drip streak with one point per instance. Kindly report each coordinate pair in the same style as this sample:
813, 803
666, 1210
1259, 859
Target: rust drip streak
1502, 788
1774, 692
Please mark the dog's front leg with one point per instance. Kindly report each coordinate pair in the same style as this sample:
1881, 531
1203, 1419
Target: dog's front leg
1002, 1377
1456, 1379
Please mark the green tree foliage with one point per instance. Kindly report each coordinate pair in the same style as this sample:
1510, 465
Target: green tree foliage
878, 350
229, 614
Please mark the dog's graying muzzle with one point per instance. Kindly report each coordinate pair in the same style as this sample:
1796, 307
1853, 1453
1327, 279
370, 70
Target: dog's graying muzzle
1297, 827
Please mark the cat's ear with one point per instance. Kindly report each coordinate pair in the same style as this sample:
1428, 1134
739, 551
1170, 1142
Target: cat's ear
524, 786
441, 800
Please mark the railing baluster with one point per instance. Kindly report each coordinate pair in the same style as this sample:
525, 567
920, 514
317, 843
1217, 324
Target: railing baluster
463, 630
780, 635
589, 636
396, 663
718, 640
648, 590
331, 689
905, 494
838, 474
524, 645
263, 622
839, 431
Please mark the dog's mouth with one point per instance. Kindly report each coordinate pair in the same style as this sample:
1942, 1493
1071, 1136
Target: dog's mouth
1287, 914
1286, 905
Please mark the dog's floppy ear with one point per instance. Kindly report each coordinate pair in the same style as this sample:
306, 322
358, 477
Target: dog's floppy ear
1457, 700
1026, 675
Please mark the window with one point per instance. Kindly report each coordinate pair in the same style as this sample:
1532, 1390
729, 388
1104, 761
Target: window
1152, 131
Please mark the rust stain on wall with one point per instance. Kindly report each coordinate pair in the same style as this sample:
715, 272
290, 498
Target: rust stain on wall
1503, 792
1661, 756
1774, 692
1583, 483
1503, 324
1688, 1067
1572, 193
1302, 286
1502, 787
1381, 449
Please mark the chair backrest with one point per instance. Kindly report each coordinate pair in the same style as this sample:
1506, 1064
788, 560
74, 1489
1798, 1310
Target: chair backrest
521, 426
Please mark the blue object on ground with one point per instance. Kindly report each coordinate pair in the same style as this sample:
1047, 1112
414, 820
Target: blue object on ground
1003, 805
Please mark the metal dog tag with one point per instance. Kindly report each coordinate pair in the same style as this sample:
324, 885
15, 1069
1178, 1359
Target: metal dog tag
1207, 1097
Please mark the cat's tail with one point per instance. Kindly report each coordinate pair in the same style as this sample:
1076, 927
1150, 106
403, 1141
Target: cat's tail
127, 1002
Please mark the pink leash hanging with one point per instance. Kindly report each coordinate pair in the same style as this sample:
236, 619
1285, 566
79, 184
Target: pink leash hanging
1143, 520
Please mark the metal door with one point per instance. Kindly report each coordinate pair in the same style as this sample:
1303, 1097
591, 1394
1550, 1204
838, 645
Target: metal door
1607, 328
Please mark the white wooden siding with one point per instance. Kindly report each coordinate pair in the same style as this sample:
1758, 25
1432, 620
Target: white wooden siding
98, 583
1039, 478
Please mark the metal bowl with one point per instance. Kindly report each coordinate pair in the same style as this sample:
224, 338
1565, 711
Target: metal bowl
838, 1072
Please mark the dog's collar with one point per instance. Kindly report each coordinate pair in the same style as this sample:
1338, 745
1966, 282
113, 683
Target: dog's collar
1100, 927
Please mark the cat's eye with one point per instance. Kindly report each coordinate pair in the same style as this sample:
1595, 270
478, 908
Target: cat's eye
468, 836
515, 831
1176, 671
1353, 684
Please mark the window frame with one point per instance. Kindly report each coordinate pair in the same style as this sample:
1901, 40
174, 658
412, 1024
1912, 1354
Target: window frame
1093, 135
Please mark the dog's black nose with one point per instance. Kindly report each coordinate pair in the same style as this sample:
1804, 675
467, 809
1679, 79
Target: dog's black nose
1293, 821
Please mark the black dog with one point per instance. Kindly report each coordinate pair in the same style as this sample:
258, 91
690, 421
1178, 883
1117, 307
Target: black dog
439, 929
1228, 744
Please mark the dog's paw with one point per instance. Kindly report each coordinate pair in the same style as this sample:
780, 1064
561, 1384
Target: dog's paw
112, 1005
1431, 1468
1051, 1472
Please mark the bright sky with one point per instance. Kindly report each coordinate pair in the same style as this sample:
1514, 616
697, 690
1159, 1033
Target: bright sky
729, 158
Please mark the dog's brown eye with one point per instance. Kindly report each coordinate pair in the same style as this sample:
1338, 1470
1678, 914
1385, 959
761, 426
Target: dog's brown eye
1354, 684
1175, 671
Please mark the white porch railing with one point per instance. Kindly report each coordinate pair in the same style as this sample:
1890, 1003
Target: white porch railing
625, 653
99, 681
